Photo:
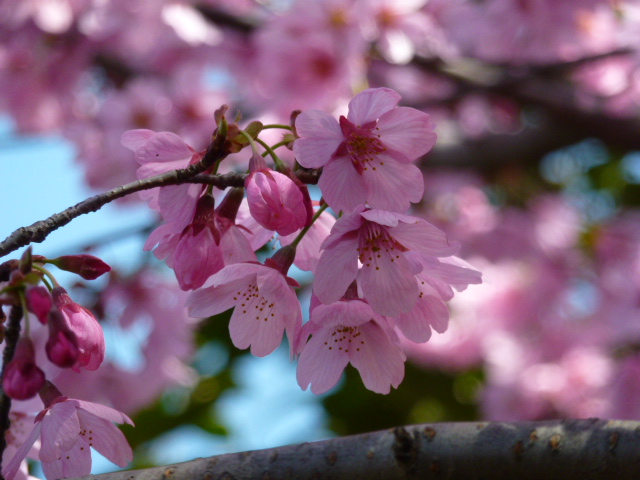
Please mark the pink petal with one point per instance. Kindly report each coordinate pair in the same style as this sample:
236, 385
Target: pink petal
210, 301
370, 104
102, 411
177, 203
337, 268
60, 430
392, 185
106, 438
388, 283
320, 364
457, 272
74, 463
165, 147
320, 138
13, 465
236, 247
407, 131
350, 313
134, 139
348, 222
379, 359
342, 186
422, 237
429, 312
257, 325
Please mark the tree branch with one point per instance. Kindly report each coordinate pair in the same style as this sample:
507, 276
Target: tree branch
38, 231
567, 449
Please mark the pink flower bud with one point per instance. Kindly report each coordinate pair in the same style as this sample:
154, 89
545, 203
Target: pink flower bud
23, 378
85, 327
62, 345
87, 266
39, 302
275, 201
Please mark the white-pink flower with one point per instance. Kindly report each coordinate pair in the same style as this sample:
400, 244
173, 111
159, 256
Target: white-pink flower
367, 155
378, 240
265, 305
349, 332
67, 429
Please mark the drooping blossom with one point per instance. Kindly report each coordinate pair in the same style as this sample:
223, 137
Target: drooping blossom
379, 240
367, 155
67, 429
349, 331
207, 243
86, 328
275, 201
265, 305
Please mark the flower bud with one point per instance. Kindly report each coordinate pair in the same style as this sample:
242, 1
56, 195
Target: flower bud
85, 327
22, 378
87, 266
62, 345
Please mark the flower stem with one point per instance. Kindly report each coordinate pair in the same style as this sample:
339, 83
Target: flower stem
304, 231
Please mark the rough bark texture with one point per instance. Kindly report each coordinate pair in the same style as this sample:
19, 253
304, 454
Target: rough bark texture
559, 449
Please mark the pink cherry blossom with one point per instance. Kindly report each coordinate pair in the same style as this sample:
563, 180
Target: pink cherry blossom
275, 201
86, 328
264, 300
379, 239
349, 332
367, 155
67, 429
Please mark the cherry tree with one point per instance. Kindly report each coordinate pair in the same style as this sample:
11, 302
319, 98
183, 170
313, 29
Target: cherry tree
440, 193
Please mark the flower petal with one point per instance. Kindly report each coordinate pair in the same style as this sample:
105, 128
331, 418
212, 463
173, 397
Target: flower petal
407, 131
379, 359
370, 104
320, 364
320, 138
106, 438
342, 186
337, 268
388, 283
392, 185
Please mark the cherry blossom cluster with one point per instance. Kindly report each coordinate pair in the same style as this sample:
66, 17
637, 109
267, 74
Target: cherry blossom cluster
70, 338
379, 272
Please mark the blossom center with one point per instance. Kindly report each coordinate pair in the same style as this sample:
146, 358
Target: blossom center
375, 241
345, 339
363, 143
252, 304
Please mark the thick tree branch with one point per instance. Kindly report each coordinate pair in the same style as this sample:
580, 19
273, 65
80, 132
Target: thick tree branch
567, 449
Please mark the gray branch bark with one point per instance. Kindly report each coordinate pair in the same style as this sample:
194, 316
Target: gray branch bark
557, 449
